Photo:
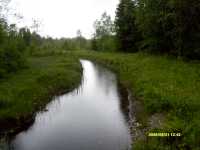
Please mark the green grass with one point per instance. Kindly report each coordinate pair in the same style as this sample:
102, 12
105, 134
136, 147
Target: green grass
25, 92
166, 86
163, 85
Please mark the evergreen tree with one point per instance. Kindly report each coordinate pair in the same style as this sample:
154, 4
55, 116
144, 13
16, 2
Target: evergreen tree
187, 14
126, 29
156, 22
170, 27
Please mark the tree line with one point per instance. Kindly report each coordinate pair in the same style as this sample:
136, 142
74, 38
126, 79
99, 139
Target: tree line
17, 44
13, 45
159, 26
169, 27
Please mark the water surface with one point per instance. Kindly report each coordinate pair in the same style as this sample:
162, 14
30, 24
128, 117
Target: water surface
89, 118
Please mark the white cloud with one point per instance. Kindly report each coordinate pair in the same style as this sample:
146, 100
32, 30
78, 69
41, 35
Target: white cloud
62, 18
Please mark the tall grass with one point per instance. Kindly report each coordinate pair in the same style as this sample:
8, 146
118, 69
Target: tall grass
163, 85
23, 93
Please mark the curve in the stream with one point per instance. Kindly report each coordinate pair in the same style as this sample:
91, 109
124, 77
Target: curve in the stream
89, 118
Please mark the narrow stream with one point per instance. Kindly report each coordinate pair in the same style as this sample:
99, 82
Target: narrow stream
89, 118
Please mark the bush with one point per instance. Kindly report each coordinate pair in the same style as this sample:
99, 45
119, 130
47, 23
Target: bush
11, 59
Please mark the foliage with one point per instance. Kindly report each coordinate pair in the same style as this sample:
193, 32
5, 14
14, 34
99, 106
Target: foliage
163, 27
188, 27
172, 90
156, 22
104, 39
127, 33
47, 76
11, 50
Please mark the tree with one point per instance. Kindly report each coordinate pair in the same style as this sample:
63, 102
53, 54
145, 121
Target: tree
36, 25
187, 14
104, 26
25, 34
126, 29
78, 33
103, 38
81, 42
170, 27
156, 22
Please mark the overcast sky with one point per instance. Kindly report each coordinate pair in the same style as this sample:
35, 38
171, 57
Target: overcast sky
62, 18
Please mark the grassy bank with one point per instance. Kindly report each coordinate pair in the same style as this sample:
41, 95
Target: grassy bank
27, 91
164, 86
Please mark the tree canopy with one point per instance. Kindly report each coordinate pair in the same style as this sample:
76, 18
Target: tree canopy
165, 27
103, 38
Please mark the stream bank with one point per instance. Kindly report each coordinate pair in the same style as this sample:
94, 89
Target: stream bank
92, 116
154, 105
29, 90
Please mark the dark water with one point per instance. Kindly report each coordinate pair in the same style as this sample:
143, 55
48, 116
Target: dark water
89, 118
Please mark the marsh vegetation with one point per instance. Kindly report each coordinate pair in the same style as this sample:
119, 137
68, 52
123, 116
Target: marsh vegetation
151, 45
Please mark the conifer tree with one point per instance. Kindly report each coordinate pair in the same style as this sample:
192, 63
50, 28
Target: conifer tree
126, 29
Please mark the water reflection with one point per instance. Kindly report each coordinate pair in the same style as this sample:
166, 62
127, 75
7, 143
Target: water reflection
89, 118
